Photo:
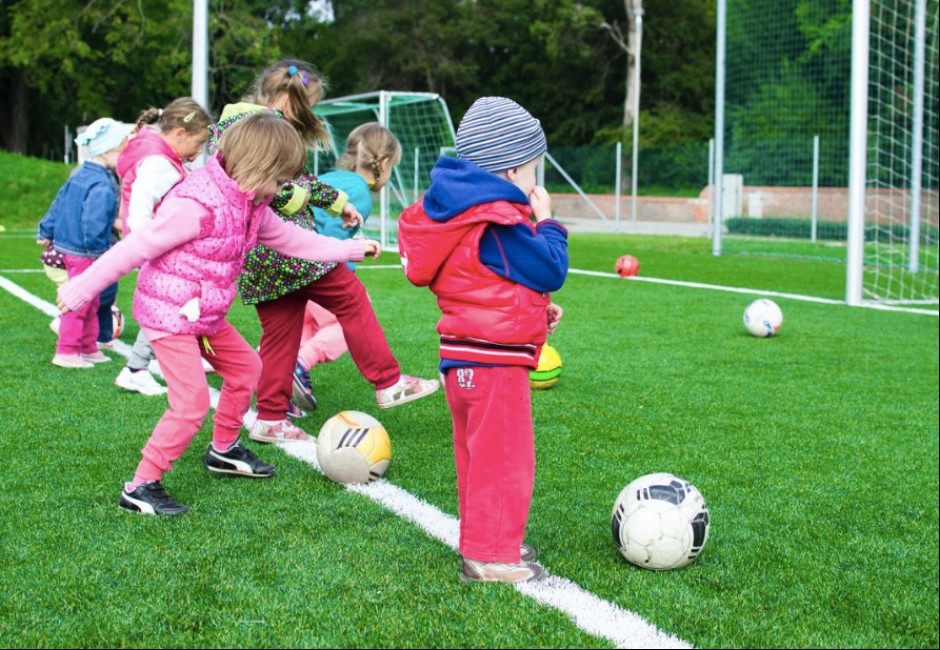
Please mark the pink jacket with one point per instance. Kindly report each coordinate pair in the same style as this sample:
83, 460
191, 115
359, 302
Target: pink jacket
194, 249
147, 142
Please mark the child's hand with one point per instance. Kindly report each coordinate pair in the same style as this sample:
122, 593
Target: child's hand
373, 248
541, 203
351, 216
63, 308
42, 241
554, 316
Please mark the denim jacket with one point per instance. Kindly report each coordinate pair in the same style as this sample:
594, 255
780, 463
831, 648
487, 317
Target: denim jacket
80, 219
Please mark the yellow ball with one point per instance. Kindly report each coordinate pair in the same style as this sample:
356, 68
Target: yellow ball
548, 371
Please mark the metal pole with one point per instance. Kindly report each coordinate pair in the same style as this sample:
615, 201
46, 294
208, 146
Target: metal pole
638, 16
619, 167
917, 142
710, 219
719, 121
815, 211
858, 137
417, 173
200, 80
383, 193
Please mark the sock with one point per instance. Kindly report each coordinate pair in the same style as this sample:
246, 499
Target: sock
136, 483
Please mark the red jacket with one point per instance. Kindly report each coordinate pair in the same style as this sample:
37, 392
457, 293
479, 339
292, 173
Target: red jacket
485, 318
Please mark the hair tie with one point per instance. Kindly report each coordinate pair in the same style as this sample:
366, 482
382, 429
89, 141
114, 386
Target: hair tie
159, 112
304, 77
189, 118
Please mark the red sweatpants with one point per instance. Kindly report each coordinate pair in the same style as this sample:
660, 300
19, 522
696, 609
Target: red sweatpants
180, 358
282, 323
494, 448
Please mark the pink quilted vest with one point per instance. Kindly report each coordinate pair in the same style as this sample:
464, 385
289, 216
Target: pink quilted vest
147, 142
206, 267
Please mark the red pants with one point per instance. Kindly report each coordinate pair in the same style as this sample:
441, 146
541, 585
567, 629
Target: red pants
494, 448
180, 358
282, 322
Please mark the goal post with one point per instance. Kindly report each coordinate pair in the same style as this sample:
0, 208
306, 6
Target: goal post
893, 255
423, 126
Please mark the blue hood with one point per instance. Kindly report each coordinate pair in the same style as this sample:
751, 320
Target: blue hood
457, 185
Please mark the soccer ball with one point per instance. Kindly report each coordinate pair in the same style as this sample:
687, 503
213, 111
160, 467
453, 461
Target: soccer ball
353, 447
548, 371
118, 319
660, 522
627, 266
763, 318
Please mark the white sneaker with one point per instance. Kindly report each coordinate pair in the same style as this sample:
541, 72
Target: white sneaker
283, 431
406, 389
474, 571
71, 361
140, 382
96, 357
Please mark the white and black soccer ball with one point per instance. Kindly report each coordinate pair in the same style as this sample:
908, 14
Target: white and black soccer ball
353, 447
660, 522
763, 318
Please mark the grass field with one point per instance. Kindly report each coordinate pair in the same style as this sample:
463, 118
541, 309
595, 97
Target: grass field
817, 452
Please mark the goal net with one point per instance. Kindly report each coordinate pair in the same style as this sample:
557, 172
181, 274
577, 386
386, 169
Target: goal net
423, 126
900, 206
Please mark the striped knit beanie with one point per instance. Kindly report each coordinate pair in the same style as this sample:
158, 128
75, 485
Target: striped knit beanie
498, 134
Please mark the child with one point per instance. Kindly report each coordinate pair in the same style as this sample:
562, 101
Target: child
470, 240
279, 286
372, 152
189, 256
149, 167
79, 224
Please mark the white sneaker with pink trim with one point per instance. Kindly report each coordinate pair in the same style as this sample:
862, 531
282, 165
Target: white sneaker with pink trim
283, 431
407, 389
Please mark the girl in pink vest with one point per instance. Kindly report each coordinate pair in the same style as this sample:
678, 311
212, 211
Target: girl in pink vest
149, 167
190, 256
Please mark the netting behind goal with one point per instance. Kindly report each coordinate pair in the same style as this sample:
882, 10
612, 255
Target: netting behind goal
900, 251
786, 132
422, 124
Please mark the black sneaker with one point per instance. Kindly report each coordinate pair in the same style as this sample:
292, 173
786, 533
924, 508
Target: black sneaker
237, 460
150, 499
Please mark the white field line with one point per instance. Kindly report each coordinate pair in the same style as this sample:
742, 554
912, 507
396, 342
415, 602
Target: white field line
754, 292
587, 611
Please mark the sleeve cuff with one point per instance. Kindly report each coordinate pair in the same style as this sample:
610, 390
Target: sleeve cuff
297, 199
337, 206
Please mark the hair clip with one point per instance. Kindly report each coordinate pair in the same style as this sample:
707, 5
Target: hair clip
159, 112
189, 118
291, 71
371, 183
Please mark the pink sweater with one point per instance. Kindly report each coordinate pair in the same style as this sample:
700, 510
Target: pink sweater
181, 220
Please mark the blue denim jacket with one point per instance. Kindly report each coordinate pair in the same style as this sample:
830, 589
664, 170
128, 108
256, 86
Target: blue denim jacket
80, 219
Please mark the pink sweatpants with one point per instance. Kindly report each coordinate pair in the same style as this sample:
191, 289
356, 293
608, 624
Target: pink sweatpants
322, 340
180, 358
494, 448
78, 330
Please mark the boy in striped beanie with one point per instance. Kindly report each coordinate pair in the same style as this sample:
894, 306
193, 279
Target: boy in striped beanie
472, 241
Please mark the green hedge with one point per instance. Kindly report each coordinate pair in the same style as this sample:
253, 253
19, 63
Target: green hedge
826, 230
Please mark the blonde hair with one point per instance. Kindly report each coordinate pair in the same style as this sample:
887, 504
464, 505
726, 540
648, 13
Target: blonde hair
303, 88
184, 113
260, 148
367, 146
